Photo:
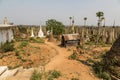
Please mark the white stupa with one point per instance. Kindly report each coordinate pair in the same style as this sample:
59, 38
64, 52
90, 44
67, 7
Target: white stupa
32, 34
40, 33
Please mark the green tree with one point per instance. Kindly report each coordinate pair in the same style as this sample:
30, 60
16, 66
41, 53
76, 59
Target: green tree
99, 15
56, 26
85, 19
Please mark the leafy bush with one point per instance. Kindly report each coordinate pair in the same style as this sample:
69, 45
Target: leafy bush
50, 78
36, 76
105, 76
16, 53
56, 26
73, 56
55, 74
51, 75
7, 47
100, 70
98, 67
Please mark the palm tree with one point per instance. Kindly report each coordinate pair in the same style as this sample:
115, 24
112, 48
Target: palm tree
73, 28
70, 20
103, 18
85, 19
99, 15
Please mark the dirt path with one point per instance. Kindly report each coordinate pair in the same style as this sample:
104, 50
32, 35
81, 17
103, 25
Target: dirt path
68, 68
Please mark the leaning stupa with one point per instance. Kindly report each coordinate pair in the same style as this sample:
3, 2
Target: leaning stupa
112, 59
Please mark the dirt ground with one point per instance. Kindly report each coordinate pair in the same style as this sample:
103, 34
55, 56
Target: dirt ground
68, 68
58, 60
33, 55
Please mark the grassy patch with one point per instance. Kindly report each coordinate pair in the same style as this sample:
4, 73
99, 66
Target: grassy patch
36, 76
23, 44
73, 56
89, 43
53, 74
7, 47
16, 53
36, 40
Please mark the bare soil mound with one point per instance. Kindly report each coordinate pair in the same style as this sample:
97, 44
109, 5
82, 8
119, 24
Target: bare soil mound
32, 55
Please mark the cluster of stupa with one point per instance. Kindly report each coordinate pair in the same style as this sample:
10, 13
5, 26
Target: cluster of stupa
40, 33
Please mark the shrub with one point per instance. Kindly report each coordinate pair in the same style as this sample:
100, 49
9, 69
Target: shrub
51, 75
16, 53
98, 67
50, 78
105, 76
73, 56
100, 70
7, 47
55, 74
56, 26
36, 76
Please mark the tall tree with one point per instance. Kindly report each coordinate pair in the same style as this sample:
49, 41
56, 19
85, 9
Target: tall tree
70, 20
55, 26
85, 19
103, 19
99, 15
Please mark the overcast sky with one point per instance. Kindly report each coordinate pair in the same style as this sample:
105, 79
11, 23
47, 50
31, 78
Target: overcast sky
34, 11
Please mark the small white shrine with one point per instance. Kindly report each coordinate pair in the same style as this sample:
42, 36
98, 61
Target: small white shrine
32, 33
6, 32
40, 33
